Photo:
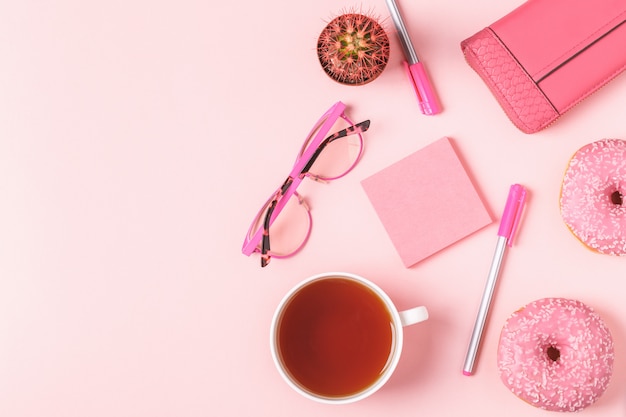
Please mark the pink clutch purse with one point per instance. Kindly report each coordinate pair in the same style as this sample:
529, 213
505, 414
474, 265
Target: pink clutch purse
547, 55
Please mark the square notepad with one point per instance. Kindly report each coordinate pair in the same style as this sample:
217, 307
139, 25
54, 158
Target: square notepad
426, 201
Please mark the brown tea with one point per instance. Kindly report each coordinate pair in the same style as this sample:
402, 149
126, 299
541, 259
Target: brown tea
335, 337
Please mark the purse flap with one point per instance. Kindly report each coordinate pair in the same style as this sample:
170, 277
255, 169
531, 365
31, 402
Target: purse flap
544, 34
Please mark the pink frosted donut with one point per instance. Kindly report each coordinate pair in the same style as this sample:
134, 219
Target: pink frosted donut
592, 196
556, 354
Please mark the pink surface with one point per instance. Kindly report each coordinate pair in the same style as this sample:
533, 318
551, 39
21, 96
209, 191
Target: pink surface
426, 201
138, 140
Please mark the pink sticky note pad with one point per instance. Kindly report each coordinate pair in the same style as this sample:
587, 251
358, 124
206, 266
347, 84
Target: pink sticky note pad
426, 201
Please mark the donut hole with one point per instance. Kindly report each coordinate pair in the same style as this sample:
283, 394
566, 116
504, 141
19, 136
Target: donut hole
617, 198
553, 353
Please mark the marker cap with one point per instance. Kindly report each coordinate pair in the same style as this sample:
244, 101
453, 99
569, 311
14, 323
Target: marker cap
424, 91
512, 213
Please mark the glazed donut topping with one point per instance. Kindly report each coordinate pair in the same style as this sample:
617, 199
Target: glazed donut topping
556, 354
592, 196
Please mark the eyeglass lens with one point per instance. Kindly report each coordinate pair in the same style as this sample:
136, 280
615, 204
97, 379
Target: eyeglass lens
339, 156
290, 230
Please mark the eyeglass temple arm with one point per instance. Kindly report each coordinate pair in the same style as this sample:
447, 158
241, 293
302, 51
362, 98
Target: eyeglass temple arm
350, 130
265, 242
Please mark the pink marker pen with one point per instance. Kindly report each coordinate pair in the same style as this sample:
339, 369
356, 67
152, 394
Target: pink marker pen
506, 232
426, 96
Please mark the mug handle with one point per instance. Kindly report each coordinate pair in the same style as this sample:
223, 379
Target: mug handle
413, 315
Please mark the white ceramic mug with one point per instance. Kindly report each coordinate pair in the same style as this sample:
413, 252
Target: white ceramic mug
337, 337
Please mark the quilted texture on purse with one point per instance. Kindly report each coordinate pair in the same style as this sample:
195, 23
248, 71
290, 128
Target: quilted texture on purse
519, 96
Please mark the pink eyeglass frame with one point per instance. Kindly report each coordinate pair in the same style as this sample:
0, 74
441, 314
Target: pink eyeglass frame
328, 119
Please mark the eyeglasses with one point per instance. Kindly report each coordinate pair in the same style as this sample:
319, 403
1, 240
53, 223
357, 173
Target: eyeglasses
321, 158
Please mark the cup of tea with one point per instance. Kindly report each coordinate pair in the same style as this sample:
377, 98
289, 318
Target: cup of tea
336, 337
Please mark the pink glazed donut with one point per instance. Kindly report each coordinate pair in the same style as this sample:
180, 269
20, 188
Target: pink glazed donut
556, 354
593, 193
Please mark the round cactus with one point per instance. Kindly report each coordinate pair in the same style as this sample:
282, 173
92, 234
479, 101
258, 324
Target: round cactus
353, 48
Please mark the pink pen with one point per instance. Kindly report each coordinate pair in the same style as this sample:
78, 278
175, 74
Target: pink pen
426, 96
508, 226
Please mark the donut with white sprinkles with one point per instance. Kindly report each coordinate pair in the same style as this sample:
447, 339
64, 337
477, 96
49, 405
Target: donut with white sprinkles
556, 354
593, 196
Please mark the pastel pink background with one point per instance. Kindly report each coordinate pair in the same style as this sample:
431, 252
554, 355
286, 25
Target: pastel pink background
137, 141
